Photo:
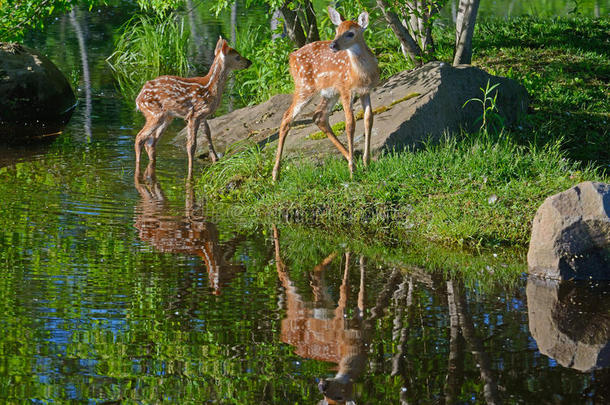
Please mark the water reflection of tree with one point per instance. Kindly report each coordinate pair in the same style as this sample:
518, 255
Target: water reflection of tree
80, 36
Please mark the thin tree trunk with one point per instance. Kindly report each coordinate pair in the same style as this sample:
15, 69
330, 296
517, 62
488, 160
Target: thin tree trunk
198, 47
408, 45
293, 27
311, 23
274, 23
86, 76
490, 389
455, 368
464, 30
233, 41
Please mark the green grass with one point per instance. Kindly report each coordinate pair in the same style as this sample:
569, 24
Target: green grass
148, 47
564, 65
476, 191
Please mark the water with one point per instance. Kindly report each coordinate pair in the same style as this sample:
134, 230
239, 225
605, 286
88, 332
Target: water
115, 292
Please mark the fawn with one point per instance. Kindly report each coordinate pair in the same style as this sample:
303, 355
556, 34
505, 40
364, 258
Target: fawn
326, 334
336, 69
190, 233
194, 99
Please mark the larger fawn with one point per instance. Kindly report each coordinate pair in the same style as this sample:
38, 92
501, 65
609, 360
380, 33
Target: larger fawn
337, 69
194, 99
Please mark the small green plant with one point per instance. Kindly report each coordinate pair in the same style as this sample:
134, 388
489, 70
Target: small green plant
490, 115
146, 48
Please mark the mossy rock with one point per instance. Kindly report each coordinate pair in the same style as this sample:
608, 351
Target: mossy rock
37, 100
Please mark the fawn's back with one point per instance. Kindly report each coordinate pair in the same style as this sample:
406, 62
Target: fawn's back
175, 96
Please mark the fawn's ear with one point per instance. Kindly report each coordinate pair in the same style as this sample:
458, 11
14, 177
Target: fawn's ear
219, 45
363, 20
225, 47
334, 15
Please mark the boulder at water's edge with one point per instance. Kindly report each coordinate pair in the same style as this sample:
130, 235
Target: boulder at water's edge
571, 234
37, 100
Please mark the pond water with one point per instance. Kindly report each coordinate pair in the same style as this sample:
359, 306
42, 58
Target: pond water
114, 291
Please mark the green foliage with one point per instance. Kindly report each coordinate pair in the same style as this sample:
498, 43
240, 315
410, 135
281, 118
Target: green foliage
160, 7
269, 73
146, 48
563, 63
17, 16
490, 115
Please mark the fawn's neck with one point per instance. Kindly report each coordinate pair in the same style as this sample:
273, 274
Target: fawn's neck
364, 62
217, 76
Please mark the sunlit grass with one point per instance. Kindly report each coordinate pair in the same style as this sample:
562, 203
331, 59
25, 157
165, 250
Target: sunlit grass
148, 47
479, 190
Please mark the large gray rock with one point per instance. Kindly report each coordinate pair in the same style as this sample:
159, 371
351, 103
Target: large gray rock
571, 234
411, 107
36, 100
570, 322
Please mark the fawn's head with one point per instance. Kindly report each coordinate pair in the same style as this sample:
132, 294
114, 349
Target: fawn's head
233, 60
349, 33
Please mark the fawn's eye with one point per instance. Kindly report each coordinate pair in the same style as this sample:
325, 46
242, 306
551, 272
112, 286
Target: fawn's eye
349, 34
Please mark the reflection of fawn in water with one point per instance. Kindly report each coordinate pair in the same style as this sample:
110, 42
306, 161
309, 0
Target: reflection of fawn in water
189, 234
320, 333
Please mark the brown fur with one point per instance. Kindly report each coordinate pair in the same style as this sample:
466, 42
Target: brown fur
193, 99
337, 69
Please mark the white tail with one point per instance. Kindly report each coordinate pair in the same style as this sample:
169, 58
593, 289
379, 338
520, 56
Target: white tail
194, 99
336, 69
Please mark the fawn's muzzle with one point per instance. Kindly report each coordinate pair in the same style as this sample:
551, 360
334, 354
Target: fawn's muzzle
334, 47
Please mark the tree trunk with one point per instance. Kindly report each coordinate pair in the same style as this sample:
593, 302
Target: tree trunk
490, 388
311, 23
409, 46
464, 30
233, 42
302, 28
293, 26
80, 36
274, 24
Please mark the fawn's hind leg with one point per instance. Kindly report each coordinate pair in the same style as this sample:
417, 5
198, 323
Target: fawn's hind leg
320, 117
299, 100
208, 136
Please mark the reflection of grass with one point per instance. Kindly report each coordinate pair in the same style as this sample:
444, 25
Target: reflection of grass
149, 47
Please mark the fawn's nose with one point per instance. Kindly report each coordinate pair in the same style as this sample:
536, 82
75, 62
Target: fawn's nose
248, 63
334, 46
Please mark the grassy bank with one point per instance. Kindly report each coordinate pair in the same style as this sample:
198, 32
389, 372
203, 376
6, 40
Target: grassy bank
471, 189
479, 190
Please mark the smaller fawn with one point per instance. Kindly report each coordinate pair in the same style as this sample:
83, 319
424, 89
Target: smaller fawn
337, 69
194, 99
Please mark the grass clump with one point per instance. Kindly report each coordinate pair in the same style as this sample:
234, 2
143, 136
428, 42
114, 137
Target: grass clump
482, 190
147, 47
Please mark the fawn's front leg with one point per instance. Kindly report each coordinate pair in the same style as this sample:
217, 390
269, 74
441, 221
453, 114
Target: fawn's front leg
365, 99
346, 101
208, 136
191, 141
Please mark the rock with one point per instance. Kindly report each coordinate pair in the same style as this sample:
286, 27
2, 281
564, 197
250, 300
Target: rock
410, 107
37, 99
570, 322
571, 234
